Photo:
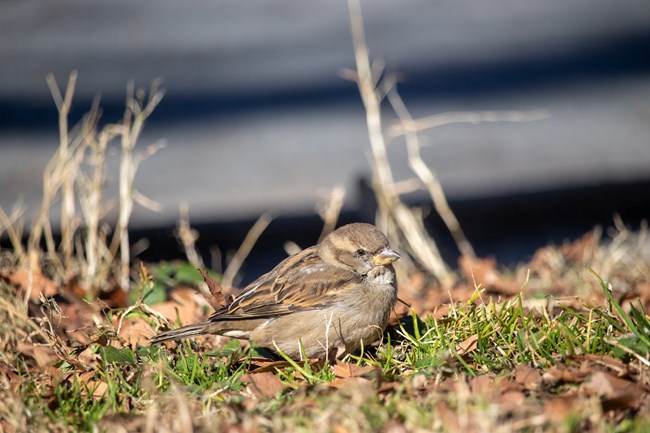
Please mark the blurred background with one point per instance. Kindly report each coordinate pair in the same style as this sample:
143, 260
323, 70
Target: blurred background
257, 118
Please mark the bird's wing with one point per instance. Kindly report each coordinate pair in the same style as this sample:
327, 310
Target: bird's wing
300, 282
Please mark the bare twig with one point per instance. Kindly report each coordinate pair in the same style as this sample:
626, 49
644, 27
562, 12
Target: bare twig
436, 120
330, 212
62, 168
9, 223
188, 236
137, 112
63, 105
90, 198
291, 248
428, 177
420, 244
247, 245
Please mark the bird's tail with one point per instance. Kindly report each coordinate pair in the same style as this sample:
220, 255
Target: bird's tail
182, 332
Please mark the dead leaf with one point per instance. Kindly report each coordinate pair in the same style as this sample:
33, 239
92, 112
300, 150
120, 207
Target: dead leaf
564, 374
559, 408
504, 385
614, 392
484, 385
448, 417
610, 362
582, 249
262, 385
135, 330
484, 272
512, 399
351, 382
261, 365
527, 376
468, 345
116, 297
31, 280
182, 306
43, 355
218, 300
347, 369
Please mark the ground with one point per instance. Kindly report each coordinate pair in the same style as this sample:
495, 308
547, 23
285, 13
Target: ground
557, 344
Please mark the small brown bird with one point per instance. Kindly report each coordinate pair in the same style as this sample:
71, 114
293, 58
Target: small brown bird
337, 294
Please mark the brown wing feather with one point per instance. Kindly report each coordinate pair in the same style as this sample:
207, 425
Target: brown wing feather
300, 282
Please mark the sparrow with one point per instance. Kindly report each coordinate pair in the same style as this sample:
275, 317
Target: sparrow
337, 294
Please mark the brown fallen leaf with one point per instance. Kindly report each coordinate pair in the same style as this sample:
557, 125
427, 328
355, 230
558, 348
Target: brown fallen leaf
582, 249
32, 281
351, 382
559, 408
262, 385
468, 345
512, 399
561, 373
95, 385
504, 385
218, 300
614, 392
484, 272
182, 306
484, 385
527, 376
116, 297
448, 417
135, 330
610, 362
262, 365
345, 370
42, 355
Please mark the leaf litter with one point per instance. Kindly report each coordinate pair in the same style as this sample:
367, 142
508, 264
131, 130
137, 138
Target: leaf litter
62, 341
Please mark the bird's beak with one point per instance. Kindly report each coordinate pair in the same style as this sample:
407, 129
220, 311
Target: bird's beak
385, 257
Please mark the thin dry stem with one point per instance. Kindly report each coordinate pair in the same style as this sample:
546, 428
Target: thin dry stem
330, 212
89, 256
247, 245
63, 105
441, 119
63, 165
91, 197
420, 244
9, 223
428, 177
138, 110
188, 236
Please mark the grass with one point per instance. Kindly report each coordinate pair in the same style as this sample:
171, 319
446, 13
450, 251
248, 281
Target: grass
424, 372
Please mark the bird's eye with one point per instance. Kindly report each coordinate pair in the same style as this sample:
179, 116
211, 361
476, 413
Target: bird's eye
360, 252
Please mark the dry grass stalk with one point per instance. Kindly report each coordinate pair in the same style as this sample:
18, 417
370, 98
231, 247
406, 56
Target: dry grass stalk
58, 175
63, 104
428, 177
91, 204
420, 244
473, 117
247, 245
409, 127
139, 108
188, 236
11, 224
625, 254
331, 210
391, 209
85, 144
